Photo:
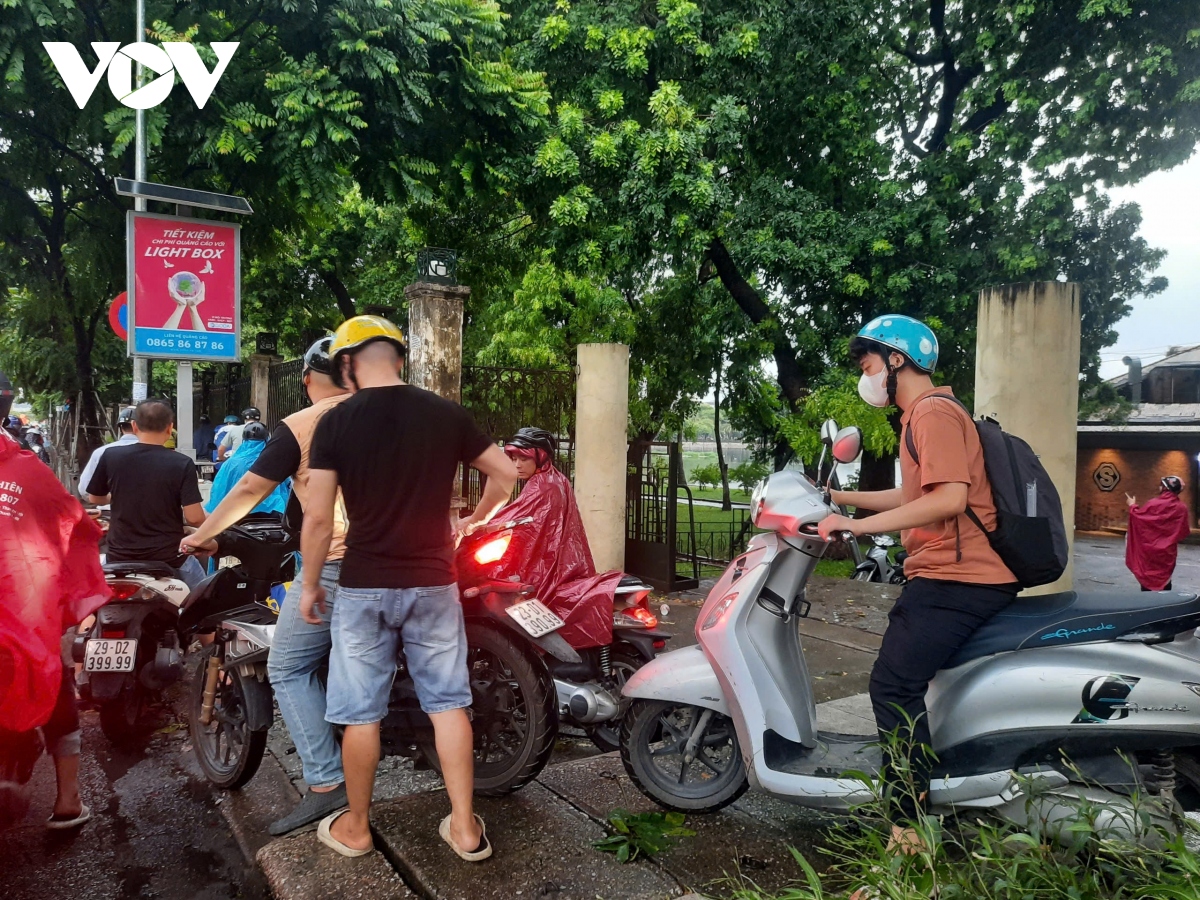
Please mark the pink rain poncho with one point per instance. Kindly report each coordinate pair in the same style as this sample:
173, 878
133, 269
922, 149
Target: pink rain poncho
552, 554
50, 579
1155, 530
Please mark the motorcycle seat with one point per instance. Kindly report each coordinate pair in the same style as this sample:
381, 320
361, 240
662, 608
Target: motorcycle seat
140, 567
1053, 620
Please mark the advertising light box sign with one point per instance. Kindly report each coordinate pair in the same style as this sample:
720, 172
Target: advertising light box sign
185, 288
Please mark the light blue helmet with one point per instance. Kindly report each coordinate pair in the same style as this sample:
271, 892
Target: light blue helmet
906, 335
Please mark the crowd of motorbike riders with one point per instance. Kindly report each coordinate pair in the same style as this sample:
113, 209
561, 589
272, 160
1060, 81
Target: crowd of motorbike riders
383, 455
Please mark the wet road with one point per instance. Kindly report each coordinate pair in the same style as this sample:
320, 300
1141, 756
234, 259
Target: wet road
156, 829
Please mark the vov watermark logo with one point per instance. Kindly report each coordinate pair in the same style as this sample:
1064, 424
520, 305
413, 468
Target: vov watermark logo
165, 60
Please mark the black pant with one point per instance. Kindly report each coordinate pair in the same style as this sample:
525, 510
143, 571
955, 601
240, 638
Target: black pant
929, 623
1167, 588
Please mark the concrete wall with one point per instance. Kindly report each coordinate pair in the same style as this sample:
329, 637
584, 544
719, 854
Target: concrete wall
601, 423
1138, 473
1027, 376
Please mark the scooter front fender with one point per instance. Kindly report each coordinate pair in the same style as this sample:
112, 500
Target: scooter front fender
682, 676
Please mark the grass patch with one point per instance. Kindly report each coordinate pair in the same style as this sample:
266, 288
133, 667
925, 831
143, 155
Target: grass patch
735, 495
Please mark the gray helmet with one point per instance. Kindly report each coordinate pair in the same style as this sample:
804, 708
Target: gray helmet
251, 414
255, 431
126, 415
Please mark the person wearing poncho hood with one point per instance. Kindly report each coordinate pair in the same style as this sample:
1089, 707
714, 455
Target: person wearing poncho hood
50, 580
552, 553
1155, 529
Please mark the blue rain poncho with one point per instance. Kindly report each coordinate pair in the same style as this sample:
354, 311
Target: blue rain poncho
238, 464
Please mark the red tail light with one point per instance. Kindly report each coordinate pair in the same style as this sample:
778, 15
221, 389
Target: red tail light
635, 617
493, 550
112, 632
123, 590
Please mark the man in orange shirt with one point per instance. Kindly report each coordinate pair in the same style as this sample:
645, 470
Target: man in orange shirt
956, 582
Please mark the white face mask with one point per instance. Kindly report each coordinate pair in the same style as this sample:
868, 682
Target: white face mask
873, 388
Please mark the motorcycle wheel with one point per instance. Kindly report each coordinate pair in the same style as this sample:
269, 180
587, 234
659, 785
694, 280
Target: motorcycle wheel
607, 735
1187, 783
227, 748
513, 714
119, 716
864, 575
653, 738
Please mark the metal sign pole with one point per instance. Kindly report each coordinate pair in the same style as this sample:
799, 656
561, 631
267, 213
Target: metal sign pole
141, 365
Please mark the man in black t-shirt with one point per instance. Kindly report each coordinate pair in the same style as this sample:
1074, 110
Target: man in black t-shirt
393, 450
153, 491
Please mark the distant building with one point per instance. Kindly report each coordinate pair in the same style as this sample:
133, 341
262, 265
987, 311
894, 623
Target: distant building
1160, 437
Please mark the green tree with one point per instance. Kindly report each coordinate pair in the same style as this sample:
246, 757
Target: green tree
823, 163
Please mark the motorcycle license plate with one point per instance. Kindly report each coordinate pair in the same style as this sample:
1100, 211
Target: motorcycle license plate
110, 655
535, 618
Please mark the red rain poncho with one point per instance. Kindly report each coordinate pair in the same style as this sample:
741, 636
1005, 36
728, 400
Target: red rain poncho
552, 554
1155, 530
50, 579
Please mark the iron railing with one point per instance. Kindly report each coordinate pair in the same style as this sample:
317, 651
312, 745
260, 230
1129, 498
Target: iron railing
285, 391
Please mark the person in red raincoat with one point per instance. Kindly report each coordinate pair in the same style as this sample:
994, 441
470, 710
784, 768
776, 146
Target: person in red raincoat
50, 580
552, 552
1155, 530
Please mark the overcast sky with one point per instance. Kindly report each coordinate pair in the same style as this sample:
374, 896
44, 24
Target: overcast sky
1170, 204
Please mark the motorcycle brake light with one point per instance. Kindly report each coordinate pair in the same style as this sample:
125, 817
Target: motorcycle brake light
493, 550
635, 617
123, 590
108, 633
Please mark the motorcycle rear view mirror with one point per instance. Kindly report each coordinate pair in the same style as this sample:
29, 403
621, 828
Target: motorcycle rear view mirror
847, 444
829, 432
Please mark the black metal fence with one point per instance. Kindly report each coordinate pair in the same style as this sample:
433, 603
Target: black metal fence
658, 547
713, 543
285, 391
503, 400
218, 397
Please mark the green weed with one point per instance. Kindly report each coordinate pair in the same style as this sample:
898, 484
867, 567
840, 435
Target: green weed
642, 834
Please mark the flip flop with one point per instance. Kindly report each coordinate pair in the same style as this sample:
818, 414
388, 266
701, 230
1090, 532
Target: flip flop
58, 824
333, 843
478, 855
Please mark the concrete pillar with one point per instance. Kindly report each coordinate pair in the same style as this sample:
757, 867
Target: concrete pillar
1027, 376
435, 326
260, 383
601, 445
184, 422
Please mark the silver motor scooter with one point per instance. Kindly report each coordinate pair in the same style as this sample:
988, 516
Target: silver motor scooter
1059, 698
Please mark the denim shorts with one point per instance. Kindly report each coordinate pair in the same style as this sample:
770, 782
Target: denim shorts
368, 628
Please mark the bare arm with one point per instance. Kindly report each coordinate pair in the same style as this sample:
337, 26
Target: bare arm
194, 514
876, 501
943, 501
243, 497
318, 523
501, 476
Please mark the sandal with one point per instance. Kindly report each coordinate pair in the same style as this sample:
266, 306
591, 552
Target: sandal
62, 823
480, 853
333, 843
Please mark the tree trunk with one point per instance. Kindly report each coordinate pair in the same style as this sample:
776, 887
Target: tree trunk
89, 413
726, 503
341, 294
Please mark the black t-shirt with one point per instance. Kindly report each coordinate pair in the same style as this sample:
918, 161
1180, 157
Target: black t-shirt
396, 451
280, 458
150, 485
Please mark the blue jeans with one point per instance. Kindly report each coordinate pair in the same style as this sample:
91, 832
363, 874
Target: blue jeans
370, 624
298, 651
191, 572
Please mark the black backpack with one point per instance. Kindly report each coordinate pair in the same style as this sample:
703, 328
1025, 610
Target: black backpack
1030, 536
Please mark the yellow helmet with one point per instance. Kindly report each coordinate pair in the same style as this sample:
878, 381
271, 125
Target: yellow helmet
358, 332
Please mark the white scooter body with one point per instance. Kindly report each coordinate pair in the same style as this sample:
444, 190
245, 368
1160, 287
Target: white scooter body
999, 710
